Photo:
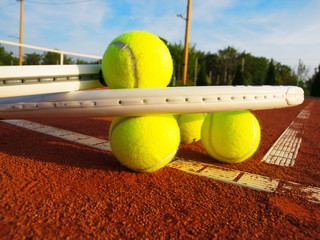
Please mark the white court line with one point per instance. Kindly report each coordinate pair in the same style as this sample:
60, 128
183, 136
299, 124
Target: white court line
284, 151
94, 142
243, 179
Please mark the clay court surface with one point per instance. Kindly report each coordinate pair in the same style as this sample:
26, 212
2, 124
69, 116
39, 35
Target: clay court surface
53, 188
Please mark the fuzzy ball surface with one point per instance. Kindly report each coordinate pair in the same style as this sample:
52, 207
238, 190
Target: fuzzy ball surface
144, 144
137, 59
190, 127
230, 137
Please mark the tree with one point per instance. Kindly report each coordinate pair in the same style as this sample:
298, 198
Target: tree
302, 73
255, 69
213, 67
302, 78
7, 58
203, 79
176, 51
271, 78
228, 58
222, 68
52, 58
67, 60
239, 78
287, 76
81, 61
315, 86
194, 55
32, 59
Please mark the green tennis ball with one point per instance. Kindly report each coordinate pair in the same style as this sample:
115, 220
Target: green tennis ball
230, 137
190, 127
137, 60
144, 144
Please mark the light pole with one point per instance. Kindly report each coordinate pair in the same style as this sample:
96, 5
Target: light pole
20, 48
186, 44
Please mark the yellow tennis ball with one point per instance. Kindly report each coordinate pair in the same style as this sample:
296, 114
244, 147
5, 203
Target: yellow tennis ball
144, 144
190, 127
230, 137
137, 60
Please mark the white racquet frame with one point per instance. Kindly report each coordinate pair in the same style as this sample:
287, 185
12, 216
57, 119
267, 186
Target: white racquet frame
55, 92
40, 79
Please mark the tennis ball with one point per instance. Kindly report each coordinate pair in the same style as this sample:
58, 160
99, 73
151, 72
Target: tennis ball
190, 127
144, 144
230, 137
137, 60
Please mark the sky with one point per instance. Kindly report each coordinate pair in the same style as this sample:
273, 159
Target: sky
284, 30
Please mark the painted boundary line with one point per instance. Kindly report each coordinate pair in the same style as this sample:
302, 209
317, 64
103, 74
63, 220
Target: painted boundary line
243, 179
94, 142
284, 151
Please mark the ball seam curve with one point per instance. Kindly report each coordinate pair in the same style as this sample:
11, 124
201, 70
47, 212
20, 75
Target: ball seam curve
126, 47
233, 159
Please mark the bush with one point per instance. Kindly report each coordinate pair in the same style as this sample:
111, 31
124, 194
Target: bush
315, 86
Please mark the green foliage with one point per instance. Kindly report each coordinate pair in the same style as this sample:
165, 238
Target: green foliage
7, 58
212, 67
315, 84
48, 58
203, 79
239, 78
32, 59
228, 62
255, 69
67, 60
51, 58
176, 51
287, 76
271, 78
222, 68
80, 61
193, 56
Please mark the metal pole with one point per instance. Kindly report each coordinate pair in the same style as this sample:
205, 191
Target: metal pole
20, 48
186, 46
299, 72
